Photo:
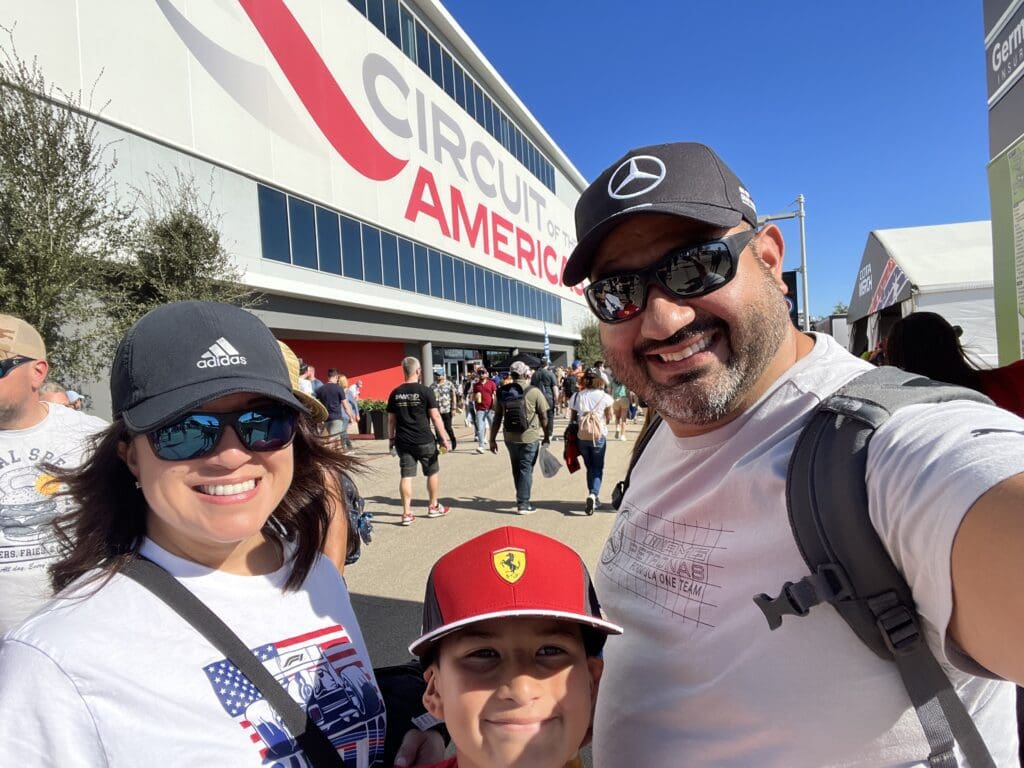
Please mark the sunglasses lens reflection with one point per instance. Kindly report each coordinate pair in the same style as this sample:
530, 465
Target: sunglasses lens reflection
262, 431
193, 436
197, 434
687, 273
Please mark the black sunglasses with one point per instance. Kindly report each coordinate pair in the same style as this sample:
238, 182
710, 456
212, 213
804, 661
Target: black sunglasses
694, 270
9, 364
263, 428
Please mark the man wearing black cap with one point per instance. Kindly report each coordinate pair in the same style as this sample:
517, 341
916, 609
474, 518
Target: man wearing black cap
690, 299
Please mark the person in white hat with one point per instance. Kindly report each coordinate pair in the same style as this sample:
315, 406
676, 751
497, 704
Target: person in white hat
520, 412
33, 433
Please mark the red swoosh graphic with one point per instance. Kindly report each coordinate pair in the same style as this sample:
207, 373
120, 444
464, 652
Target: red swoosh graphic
319, 91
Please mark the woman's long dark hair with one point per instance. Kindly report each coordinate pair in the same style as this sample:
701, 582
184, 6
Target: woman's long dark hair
107, 527
926, 344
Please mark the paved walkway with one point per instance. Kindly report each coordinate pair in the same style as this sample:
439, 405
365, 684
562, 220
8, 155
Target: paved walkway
388, 580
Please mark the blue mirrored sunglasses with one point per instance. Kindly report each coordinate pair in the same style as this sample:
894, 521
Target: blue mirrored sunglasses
264, 428
9, 364
687, 272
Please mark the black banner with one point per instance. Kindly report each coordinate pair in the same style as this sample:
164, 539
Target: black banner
791, 296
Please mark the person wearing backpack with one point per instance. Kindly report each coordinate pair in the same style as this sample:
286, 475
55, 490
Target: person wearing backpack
521, 411
591, 410
698, 677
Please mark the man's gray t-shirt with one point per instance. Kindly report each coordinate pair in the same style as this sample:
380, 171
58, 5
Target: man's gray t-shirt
698, 678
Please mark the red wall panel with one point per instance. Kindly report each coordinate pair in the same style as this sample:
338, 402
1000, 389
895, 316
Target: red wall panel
377, 364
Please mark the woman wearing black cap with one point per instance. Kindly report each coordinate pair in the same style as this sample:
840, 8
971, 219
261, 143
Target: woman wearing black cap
213, 472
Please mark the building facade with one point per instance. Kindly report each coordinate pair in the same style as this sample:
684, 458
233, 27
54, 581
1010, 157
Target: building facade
375, 177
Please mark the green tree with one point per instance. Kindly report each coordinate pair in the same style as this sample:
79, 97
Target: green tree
60, 216
176, 255
588, 348
840, 308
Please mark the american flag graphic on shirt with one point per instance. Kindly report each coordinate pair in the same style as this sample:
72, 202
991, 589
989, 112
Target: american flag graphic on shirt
322, 671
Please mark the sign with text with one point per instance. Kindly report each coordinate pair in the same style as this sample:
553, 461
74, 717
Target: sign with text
1005, 55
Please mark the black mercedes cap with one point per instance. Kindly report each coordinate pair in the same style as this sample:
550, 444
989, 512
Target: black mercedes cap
178, 356
682, 179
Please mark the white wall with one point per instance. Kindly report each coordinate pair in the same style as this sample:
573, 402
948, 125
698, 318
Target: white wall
199, 77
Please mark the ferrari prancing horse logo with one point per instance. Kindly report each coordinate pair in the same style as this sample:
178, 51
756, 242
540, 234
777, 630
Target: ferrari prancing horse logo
510, 563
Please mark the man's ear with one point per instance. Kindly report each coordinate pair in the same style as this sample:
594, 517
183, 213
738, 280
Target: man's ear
431, 697
39, 370
771, 250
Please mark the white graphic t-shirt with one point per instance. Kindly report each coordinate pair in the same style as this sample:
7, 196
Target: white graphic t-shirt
28, 503
118, 679
698, 678
592, 400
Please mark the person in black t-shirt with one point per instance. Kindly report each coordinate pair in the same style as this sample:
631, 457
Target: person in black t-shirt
544, 380
411, 410
339, 413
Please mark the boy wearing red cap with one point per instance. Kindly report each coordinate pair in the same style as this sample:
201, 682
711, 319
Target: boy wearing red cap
512, 631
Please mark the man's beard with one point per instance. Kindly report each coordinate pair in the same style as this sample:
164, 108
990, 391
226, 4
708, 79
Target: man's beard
10, 413
704, 397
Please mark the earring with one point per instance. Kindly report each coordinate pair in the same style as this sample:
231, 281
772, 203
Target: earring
138, 485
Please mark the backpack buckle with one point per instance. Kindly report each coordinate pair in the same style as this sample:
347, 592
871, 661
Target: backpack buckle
899, 630
828, 584
774, 608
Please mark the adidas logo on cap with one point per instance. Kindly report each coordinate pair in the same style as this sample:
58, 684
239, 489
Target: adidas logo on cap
221, 352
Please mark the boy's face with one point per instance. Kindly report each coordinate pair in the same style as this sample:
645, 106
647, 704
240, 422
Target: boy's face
514, 693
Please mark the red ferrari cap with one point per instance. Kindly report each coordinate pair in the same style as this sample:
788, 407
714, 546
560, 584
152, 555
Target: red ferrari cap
508, 572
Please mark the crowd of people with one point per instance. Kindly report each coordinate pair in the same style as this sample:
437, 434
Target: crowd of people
215, 506
519, 406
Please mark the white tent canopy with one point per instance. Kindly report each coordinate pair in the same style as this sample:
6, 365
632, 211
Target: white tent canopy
945, 269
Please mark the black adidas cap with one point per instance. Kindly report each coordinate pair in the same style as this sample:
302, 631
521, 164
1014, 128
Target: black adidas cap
682, 179
179, 356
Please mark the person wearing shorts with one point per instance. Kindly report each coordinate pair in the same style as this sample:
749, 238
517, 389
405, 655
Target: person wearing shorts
411, 411
426, 456
620, 408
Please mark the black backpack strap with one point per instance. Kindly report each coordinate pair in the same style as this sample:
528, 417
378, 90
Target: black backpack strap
311, 740
650, 427
826, 496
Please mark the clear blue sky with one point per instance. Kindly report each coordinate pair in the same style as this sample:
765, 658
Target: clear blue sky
874, 110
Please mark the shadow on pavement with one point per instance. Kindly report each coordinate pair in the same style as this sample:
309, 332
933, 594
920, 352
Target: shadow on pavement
377, 505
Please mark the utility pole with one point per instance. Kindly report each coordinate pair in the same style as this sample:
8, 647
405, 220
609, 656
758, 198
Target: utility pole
799, 213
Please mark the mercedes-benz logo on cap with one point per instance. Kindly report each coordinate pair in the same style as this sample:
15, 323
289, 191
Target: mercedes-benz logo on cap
636, 176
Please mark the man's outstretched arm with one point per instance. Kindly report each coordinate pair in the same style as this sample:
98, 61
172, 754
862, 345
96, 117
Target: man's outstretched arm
988, 580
